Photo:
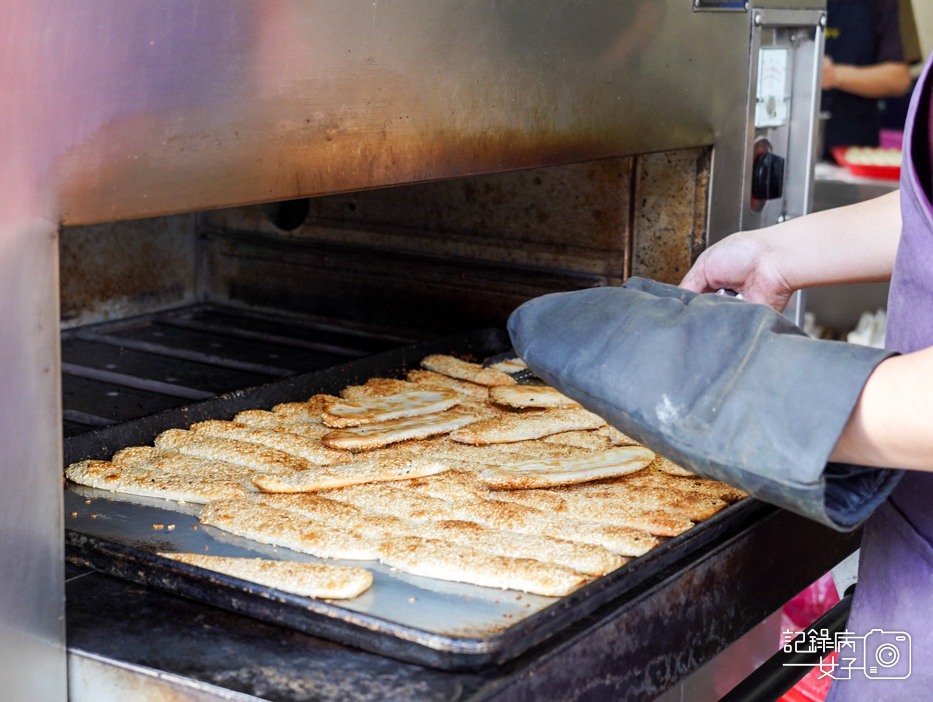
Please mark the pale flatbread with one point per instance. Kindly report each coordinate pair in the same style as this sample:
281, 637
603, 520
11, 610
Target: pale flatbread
364, 470
429, 380
353, 413
268, 525
305, 579
513, 365
134, 481
310, 449
463, 370
444, 561
377, 387
553, 472
530, 396
522, 426
370, 436
261, 458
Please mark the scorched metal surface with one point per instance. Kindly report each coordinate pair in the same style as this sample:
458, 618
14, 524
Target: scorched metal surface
446, 625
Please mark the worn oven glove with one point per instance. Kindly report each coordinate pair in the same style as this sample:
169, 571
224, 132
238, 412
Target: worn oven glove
730, 390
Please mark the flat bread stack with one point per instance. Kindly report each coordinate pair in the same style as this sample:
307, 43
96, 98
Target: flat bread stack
455, 473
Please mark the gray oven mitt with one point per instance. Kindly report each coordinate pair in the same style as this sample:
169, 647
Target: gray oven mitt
730, 390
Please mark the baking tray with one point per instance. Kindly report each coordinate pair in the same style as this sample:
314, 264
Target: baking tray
451, 626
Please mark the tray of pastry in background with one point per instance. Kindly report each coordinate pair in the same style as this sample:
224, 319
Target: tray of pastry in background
869, 161
457, 546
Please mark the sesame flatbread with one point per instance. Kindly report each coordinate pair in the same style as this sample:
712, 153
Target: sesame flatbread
432, 558
304, 579
311, 450
368, 469
506, 428
554, 472
429, 380
147, 483
464, 370
241, 453
370, 436
269, 525
367, 410
530, 396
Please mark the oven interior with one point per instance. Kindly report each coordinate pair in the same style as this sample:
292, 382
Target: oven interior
162, 311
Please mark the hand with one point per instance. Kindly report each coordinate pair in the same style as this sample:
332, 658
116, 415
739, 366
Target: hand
742, 262
829, 74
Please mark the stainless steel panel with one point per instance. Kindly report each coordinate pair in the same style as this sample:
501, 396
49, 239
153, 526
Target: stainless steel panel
156, 107
32, 647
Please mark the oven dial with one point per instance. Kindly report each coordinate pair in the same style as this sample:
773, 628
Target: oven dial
767, 175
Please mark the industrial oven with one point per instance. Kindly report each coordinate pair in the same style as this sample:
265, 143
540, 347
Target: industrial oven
216, 196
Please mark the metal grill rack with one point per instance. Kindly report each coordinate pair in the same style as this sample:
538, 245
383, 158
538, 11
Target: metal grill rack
118, 371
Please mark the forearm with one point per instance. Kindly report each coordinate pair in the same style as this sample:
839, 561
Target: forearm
882, 80
854, 244
892, 424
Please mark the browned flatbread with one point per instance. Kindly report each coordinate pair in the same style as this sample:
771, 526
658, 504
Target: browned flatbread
269, 525
452, 486
180, 465
585, 558
523, 426
370, 436
553, 472
464, 370
309, 411
304, 579
377, 387
167, 486
662, 464
445, 561
368, 469
385, 499
429, 380
260, 419
354, 413
616, 437
260, 458
530, 396
584, 439
309, 449
467, 455
649, 477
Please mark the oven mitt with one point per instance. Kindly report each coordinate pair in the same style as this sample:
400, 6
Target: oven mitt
728, 389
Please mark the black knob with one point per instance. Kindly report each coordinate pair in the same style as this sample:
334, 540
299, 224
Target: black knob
768, 176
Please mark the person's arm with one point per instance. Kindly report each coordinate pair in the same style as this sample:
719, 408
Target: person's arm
892, 424
887, 79
851, 244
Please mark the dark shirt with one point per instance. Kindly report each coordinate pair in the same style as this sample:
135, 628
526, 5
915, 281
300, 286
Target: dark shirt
858, 33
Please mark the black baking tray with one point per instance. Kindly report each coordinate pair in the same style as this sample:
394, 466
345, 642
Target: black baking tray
454, 651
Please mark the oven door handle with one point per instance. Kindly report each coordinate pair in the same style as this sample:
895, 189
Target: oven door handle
773, 678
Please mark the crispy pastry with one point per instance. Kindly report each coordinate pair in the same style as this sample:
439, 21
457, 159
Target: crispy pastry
553, 472
463, 370
368, 469
522, 426
240, 453
370, 436
530, 396
310, 449
353, 413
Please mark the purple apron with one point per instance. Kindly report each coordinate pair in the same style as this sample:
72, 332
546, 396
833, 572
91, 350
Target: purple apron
895, 586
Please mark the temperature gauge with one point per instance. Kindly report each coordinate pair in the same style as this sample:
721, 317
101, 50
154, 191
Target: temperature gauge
772, 104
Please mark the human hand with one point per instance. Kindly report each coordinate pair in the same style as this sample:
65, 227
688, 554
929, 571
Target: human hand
829, 74
745, 263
